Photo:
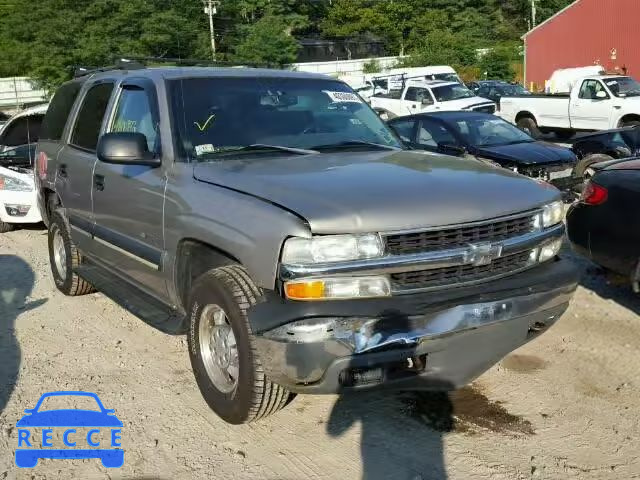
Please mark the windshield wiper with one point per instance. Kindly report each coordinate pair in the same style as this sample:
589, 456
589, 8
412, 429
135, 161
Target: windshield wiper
261, 147
351, 144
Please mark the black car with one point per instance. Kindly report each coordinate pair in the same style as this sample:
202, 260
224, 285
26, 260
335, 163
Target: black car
605, 224
488, 138
495, 89
605, 146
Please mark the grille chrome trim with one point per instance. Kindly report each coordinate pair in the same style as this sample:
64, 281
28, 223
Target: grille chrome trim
414, 262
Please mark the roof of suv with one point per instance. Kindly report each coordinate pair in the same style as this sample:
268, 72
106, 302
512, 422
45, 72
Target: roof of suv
163, 73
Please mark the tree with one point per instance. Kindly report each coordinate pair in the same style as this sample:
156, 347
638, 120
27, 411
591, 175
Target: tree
497, 63
267, 41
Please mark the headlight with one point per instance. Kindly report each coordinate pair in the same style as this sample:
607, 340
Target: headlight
550, 250
331, 248
14, 184
551, 215
338, 288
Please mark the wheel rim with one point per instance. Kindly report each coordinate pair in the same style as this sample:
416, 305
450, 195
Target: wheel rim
59, 254
218, 348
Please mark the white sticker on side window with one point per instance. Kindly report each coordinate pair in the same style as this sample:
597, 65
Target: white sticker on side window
347, 97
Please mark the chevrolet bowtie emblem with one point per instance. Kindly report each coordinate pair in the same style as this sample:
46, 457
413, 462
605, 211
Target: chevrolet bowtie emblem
480, 254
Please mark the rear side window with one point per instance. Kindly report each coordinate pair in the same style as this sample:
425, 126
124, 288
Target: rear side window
22, 131
87, 128
58, 112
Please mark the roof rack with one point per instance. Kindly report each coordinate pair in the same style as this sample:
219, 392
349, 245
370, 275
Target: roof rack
137, 63
119, 64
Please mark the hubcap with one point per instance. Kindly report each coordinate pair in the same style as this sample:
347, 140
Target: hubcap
59, 254
218, 348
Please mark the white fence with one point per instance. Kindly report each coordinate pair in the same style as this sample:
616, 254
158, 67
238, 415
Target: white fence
18, 92
345, 67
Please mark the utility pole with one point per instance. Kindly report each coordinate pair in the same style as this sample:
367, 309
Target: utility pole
533, 13
211, 8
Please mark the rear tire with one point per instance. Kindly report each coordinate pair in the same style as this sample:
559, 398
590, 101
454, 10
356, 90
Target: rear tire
223, 356
64, 258
529, 125
589, 160
6, 227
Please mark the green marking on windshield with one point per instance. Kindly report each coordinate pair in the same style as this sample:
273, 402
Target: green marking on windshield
206, 124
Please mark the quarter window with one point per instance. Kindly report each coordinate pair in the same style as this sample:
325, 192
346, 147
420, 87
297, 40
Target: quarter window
87, 128
58, 111
134, 114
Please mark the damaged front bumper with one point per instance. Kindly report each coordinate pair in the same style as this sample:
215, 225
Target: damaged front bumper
437, 340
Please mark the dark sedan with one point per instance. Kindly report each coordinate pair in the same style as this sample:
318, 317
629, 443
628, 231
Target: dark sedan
488, 138
605, 146
495, 89
605, 224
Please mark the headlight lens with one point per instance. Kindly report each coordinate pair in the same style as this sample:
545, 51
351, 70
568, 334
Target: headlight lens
13, 184
338, 288
551, 215
550, 250
331, 248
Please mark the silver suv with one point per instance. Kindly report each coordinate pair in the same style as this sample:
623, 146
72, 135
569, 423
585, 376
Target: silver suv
274, 218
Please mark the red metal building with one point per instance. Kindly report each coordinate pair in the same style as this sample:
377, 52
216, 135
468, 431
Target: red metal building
587, 32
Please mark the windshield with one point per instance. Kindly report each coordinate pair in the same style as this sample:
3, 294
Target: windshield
447, 77
451, 92
623, 86
489, 132
514, 90
228, 113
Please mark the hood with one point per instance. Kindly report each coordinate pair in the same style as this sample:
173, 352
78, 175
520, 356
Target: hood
380, 191
465, 103
532, 153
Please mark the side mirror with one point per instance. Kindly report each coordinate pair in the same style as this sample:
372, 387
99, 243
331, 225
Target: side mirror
126, 148
450, 149
601, 95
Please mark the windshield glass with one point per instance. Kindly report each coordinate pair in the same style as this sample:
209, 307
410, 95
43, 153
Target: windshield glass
447, 77
513, 90
623, 86
451, 92
489, 132
216, 114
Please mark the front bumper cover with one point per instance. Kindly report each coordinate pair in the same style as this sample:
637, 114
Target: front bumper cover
437, 340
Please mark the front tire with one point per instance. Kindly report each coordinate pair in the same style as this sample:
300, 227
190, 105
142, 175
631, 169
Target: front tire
586, 162
64, 258
6, 227
529, 125
223, 357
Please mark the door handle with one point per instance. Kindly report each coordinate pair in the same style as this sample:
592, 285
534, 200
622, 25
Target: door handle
62, 170
98, 182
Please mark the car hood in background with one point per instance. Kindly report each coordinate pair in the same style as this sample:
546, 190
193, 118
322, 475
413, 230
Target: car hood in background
464, 104
531, 153
379, 191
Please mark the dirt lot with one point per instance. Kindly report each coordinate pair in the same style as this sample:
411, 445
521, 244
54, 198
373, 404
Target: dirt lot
565, 406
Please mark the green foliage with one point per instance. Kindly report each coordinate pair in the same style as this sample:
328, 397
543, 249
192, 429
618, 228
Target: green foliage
45, 39
497, 63
267, 41
372, 66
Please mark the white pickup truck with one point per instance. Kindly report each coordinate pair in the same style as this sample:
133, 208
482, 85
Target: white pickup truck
598, 102
419, 96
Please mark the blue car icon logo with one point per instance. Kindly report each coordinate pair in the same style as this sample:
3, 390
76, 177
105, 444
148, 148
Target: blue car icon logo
102, 426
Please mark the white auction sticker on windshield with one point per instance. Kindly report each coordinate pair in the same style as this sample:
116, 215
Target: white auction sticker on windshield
203, 149
343, 96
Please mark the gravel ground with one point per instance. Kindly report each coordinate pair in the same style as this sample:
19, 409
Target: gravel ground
564, 406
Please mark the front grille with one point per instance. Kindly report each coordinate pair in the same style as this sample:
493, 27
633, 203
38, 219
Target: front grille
485, 109
450, 276
457, 237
